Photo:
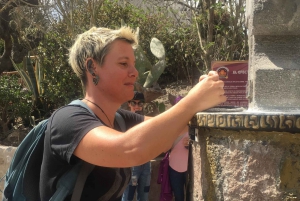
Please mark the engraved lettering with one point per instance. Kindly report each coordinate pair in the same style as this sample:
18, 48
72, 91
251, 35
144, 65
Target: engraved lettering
211, 120
276, 120
231, 121
291, 121
263, 122
202, 120
254, 123
221, 120
239, 120
270, 121
246, 122
281, 121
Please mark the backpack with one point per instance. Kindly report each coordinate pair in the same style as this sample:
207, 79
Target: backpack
166, 193
22, 177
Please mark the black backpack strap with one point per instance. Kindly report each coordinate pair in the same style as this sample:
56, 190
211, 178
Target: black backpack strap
121, 122
66, 183
81, 103
85, 170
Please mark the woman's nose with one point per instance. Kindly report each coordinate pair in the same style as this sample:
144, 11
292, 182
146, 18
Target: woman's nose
134, 72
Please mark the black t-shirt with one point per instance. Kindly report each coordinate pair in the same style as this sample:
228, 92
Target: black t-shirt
65, 129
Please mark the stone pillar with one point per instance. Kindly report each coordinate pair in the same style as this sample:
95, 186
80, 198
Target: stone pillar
254, 154
274, 54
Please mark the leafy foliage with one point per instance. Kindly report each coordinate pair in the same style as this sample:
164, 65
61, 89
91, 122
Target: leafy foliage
60, 84
1, 47
15, 103
214, 32
221, 31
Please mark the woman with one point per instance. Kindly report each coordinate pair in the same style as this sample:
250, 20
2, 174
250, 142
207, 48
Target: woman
104, 61
178, 162
140, 175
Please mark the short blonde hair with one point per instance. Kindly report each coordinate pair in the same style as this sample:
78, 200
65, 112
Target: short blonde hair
95, 44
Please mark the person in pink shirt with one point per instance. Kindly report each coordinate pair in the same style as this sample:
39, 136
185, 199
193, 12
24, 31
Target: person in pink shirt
178, 161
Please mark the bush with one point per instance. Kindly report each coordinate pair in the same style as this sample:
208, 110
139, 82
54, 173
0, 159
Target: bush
60, 84
15, 102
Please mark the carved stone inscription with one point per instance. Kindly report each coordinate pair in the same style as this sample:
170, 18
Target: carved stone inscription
249, 121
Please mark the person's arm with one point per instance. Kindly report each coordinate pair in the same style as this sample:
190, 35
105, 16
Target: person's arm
104, 146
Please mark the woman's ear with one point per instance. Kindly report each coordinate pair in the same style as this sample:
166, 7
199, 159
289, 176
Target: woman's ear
90, 67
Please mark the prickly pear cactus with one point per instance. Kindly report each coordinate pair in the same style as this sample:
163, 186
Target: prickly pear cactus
147, 81
148, 78
148, 73
142, 63
157, 50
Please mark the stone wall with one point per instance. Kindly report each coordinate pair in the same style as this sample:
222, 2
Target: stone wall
274, 45
6, 154
245, 165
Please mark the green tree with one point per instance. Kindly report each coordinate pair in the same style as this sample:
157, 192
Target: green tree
17, 33
221, 30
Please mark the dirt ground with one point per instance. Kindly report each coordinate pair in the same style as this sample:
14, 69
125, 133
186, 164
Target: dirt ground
181, 88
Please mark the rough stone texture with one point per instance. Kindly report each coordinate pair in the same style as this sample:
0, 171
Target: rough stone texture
277, 89
274, 52
273, 17
245, 165
274, 73
6, 155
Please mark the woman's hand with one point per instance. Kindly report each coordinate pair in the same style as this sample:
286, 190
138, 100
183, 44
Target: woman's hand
186, 141
207, 93
202, 77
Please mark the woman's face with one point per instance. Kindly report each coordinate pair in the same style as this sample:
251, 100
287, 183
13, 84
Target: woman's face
136, 105
118, 73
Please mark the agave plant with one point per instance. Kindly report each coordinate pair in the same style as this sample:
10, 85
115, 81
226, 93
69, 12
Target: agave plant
32, 77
